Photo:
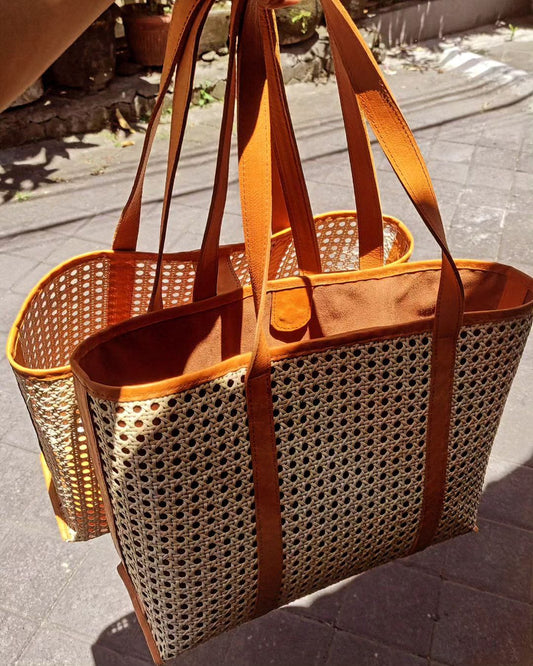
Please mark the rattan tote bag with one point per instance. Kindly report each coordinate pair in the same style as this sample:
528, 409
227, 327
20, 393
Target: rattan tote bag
258, 445
92, 291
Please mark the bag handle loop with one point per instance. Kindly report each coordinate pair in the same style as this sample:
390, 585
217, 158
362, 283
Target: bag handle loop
368, 205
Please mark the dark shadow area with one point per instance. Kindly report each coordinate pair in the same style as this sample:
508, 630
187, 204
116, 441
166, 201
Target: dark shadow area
25, 178
465, 601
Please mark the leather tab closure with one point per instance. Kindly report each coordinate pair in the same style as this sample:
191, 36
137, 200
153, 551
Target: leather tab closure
291, 310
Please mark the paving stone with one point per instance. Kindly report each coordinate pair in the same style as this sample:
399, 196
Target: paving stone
122, 642
69, 248
482, 245
98, 229
17, 430
10, 305
478, 195
20, 475
507, 496
31, 245
496, 559
506, 135
51, 645
331, 169
517, 227
514, 439
489, 176
214, 651
476, 232
13, 269
453, 172
31, 278
323, 604
334, 197
452, 151
431, 559
525, 162
498, 157
279, 638
480, 629
523, 182
35, 567
393, 604
95, 596
15, 632
347, 650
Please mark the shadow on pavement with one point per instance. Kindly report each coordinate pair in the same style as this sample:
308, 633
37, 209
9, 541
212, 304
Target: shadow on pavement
24, 178
461, 602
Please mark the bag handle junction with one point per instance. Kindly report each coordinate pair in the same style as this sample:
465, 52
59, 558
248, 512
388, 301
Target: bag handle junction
368, 205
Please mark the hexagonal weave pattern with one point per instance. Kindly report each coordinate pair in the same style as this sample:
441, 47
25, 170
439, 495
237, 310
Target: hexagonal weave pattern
350, 428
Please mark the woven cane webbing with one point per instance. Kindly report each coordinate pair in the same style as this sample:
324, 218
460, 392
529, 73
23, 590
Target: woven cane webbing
350, 426
68, 459
64, 312
179, 476
487, 359
338, 240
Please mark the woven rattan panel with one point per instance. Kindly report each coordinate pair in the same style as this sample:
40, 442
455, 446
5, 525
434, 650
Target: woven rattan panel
179, 476
487, 360
67, 310
68, 460
338, 240
350, 425
74, 305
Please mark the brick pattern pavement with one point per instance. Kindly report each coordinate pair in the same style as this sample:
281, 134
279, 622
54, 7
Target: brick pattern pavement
466, 602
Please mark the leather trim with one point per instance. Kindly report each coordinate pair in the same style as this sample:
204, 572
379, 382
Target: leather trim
94, 453
141, 615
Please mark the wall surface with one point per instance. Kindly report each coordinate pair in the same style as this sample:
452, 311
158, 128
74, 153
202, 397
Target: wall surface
415, 21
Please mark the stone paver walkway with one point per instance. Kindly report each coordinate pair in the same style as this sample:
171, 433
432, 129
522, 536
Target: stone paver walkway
466, 602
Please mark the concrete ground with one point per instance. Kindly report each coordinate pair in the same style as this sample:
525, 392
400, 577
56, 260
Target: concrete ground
466, 602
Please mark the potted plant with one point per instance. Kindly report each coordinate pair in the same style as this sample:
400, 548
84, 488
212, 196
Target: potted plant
146, 26
298, 23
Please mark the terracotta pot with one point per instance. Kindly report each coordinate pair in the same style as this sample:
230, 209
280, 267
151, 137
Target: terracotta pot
89, 63
298, 23
147, 36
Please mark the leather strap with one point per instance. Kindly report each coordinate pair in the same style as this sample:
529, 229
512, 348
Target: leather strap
369, 211
255, 174
399, 145
182, 27
369, 215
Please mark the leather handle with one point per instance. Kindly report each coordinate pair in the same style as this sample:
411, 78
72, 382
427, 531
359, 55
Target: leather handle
398, 143
179, 57
181, 37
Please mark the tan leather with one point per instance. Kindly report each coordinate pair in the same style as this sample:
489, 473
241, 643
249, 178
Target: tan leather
255, 173
183, 26
363, 172
398, 143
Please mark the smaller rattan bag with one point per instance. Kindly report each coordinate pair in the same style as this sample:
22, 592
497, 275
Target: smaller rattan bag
90, 292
